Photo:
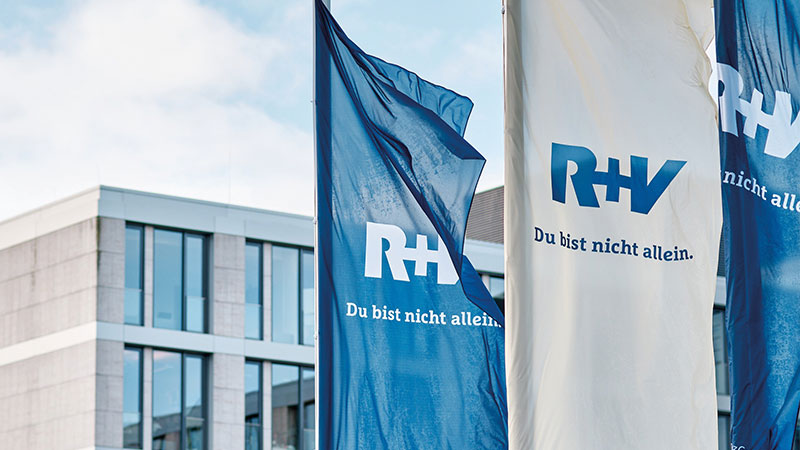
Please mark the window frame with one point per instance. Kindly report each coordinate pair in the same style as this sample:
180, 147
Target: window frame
726, 356
300, 279
204, 371
300, 404
206, 238
140, 352
301, 250
141, 229
260, 365
204, 285
260, 278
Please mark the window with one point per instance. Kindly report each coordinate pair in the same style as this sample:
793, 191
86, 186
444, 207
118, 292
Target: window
179, 281
292, 407
292, 295
252, 405
134, 258
497, 289
307, 398
720, 338
178, 401
724, 430
307, 305
253, 290
132, 398
496, 286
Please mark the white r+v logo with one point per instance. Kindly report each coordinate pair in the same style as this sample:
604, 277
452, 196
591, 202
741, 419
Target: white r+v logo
397, 253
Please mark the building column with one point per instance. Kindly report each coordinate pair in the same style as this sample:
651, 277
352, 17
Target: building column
111, 270
226, 420
227, 293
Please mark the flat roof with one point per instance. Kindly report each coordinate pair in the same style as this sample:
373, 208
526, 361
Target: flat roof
189, 214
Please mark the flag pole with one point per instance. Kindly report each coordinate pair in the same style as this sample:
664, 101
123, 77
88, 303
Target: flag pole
327, 4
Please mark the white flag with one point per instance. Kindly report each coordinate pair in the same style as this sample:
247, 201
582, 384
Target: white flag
613, 217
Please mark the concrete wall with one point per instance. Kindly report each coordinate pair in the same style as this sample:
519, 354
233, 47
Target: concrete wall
62, 339
47, 402
227, 402
227, 371
49, 284
48, 297
110, 308
227, 278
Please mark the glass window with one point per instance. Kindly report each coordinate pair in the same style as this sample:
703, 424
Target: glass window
285, 299
132, 398
293, 407
724, 424
166, 400
195, 283
179, 281
168, 279
253, 277
134, 258
720, 338
309, 442
285, 397
193, 404
292, 295
308, 297
252, 405
497, 289
178, 401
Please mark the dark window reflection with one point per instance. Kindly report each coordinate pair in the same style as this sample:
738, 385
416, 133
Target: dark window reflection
253, 290
132, 398
285, 298
496, 287
193, 403
308, 409
134, 256
166, 400
724, 424
285, 397
252, 405
720, 337
178, 401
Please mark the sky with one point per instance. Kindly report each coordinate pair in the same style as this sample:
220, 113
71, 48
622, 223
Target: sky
210, 99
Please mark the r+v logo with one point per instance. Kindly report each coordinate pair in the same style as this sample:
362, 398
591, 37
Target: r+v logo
397, 253
783, 133
644, 194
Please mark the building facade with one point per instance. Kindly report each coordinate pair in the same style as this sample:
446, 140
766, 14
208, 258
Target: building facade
131, 320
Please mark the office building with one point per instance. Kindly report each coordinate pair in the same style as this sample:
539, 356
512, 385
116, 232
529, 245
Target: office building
136, 320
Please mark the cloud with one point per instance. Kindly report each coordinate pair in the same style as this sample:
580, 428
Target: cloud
160, 95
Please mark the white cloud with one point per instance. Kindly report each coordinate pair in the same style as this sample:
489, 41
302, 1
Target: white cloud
158, 95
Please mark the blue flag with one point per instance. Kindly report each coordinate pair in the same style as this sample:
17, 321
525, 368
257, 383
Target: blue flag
410, 345
758, 53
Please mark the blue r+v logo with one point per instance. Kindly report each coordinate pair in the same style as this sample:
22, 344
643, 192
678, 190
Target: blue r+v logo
643, 194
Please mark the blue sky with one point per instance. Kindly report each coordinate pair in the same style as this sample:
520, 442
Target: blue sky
209, 99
